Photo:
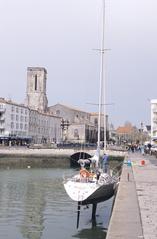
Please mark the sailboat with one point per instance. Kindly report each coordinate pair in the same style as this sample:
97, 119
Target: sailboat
94, 185
90, 187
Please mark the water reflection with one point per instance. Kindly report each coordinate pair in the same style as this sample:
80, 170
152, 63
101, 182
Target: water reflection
93, 233
98, 229
34, 205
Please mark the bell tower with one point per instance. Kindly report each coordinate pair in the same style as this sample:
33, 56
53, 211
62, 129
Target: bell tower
36, 88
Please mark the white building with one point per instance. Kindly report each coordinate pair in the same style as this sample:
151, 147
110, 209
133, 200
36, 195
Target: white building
14, 120
32, 121
44, 127
20, 123
154, 118
45, 124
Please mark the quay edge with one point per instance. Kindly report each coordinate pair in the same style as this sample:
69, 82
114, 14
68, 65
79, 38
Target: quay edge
135, 210
22, 157
125, 222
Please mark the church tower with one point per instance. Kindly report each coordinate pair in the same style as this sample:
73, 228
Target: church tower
36, 88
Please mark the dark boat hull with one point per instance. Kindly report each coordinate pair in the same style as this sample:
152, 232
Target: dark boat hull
75, 158
102, 194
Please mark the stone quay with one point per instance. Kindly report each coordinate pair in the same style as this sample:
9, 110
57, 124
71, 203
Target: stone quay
135, 209
23, 156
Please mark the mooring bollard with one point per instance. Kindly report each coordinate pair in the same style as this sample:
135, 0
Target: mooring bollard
143, 162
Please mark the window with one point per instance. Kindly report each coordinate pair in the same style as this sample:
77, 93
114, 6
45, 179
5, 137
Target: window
76, 133
58, 112
17, 110
95, 121
12, 117
17, 125
35, 82
12, 125
17, 117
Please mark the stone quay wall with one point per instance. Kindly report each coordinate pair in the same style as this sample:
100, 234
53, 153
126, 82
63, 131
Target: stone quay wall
25, 157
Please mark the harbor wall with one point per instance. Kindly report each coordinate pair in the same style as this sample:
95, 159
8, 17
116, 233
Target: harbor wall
44, 158
23, 157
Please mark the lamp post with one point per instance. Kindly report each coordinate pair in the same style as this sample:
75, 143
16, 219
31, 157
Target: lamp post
141, 132
64, 126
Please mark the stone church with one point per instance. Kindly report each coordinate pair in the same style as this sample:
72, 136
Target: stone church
43, 123
76, 126
44, 126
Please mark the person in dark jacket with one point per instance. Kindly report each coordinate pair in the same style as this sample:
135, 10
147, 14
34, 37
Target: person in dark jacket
105, 163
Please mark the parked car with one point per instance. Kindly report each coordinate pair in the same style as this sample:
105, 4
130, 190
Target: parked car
153, 149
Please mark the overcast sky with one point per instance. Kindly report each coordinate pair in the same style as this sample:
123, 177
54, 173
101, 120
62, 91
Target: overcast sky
60, 35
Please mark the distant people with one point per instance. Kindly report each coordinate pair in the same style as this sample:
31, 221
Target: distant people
139, 148
132, 148
149, 147
142, 149
105, 163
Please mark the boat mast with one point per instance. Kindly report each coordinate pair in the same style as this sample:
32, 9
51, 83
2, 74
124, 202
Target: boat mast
102, 81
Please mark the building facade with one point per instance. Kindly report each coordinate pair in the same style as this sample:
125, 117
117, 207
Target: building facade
78, 126
36, 89
127, 134
20, 124
43, 124
94, 120
44, 128
14, 121
131, 134
73, 115
74, 123
154, 119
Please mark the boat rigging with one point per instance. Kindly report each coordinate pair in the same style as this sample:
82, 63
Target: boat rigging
94, 185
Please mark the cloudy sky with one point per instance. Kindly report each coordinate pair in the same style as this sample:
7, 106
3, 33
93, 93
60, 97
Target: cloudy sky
61, 36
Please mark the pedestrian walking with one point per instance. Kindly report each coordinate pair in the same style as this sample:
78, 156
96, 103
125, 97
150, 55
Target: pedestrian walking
105, 163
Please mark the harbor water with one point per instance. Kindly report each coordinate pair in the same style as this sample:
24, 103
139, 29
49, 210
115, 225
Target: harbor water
34, 205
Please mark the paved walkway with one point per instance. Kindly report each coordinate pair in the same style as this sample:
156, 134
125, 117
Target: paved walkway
146, 188
135, 210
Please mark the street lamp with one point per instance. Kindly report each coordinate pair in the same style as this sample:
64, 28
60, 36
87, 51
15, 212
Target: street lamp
141, 132
64, 126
